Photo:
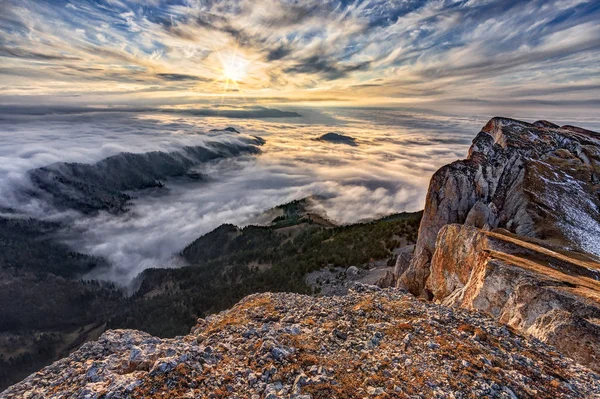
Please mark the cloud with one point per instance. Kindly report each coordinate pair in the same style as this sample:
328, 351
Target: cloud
250, 112
278, 53
177, 77
556, 89
327, 68
388, 172
17, 52
8, 112
358, 183
369, 50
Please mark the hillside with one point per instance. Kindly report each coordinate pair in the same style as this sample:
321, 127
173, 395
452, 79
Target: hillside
47, 311
52, 312
231, 262
89, 188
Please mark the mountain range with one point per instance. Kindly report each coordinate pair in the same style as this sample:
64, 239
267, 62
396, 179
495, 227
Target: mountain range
499, 298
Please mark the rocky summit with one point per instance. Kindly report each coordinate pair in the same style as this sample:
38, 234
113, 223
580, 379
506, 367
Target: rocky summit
514, 231
535, 180
371, 343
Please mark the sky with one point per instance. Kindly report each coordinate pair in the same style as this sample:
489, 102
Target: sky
413, 81
451, 54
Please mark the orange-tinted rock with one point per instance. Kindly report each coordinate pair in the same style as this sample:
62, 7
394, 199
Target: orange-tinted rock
535, 180
370, 343
540, 185
553, 296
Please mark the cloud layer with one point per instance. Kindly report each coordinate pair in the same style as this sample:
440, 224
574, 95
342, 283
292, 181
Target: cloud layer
181, 52
387, 171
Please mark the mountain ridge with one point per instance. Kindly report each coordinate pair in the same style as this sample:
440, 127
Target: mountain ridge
103, 186
369, 343
53, 312
509, 299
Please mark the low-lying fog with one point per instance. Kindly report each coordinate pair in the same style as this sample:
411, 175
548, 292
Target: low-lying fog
388, 171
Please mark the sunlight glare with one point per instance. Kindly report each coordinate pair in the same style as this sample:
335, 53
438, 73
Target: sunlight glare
235, 68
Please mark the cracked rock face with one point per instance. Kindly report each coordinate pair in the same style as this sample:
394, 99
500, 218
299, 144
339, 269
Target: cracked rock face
535, 180
370, 343
514, 231
552, 296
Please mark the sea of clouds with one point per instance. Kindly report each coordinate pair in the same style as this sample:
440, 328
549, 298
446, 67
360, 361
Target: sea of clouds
387, 172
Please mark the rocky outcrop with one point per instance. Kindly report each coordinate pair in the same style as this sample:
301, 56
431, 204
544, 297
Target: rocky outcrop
536, 180
514, 231
369, 343
337, 138
404, 256
553, 296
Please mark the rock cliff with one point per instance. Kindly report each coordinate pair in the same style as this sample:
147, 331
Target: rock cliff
514, 231
551, 295
369, 343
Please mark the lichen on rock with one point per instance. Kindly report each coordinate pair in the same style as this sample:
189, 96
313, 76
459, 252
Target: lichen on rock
369, 343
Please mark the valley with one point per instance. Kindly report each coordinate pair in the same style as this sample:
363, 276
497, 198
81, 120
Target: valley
224, 266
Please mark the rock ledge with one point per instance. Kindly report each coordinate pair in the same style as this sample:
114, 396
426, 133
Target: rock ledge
370, 343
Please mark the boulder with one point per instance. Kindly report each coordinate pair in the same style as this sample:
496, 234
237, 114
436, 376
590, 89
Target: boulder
387, 281
352, 271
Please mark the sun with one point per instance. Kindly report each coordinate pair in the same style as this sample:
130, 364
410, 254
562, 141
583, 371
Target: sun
234, 67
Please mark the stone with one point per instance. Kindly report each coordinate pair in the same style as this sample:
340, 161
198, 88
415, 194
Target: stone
514, 231
340, 334
418, 362
520, 177
352, 271
387, 281
550, 295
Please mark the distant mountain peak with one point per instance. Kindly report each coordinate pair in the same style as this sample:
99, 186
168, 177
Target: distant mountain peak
337, 138
227, 129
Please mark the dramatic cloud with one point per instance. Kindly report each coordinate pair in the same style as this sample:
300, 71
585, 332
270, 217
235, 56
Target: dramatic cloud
83, 80
190, 51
